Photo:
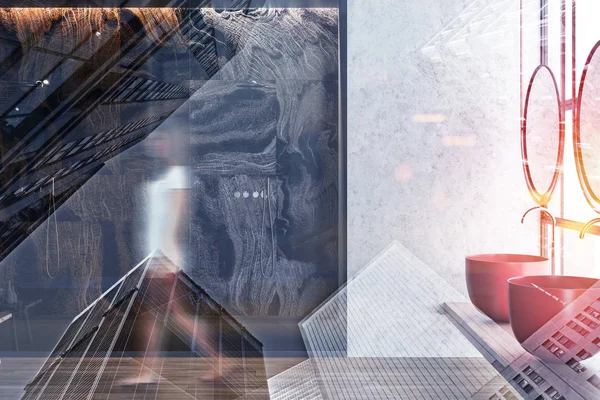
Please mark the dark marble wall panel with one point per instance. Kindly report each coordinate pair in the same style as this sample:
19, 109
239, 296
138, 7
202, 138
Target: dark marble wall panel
292, 43
234, 128
233, 241
237, 226
263, 234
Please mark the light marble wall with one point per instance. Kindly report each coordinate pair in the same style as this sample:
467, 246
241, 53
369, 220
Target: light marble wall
404, 182
391, 308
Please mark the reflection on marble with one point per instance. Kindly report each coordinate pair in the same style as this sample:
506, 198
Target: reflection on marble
264, 164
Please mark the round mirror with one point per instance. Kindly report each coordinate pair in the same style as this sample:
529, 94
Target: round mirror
586, 132
542, 135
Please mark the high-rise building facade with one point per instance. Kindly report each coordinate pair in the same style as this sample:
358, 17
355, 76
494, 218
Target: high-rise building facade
85, 86
71, 100
395, 292
298, 382
365, 340
155, 322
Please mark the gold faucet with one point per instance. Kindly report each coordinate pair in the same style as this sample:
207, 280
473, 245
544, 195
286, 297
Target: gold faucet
587, 227
547, 212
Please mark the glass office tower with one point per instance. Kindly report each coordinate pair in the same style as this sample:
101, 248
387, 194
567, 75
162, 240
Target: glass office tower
153, 319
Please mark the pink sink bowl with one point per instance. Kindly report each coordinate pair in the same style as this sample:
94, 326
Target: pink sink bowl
487, 275
530, 308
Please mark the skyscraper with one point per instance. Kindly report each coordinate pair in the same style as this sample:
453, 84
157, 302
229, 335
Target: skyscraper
73, 100
368, 339
155, 319
78, 89
298, 382
396, 292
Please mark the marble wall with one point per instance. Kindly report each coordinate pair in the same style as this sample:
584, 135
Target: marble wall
433, 141
263, 158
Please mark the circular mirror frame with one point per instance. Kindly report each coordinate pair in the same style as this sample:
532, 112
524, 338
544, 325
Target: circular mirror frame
542, 198
590, 196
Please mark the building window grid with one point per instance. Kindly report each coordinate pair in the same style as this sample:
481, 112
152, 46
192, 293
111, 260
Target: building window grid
58, 155
123, 86
135, 92
582, 354
108, 135
145, 90
75, 146
73, 149
208, 341
104, 137
122, 94
61, 151
44, 158
65, 57
148, 86
153, 95
79, 146
172, 89
159, 91
26, 190
91, 142
129, 91
594, 380
177, 91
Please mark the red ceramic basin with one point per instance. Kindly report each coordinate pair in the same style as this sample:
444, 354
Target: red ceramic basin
487, 275
531, 308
